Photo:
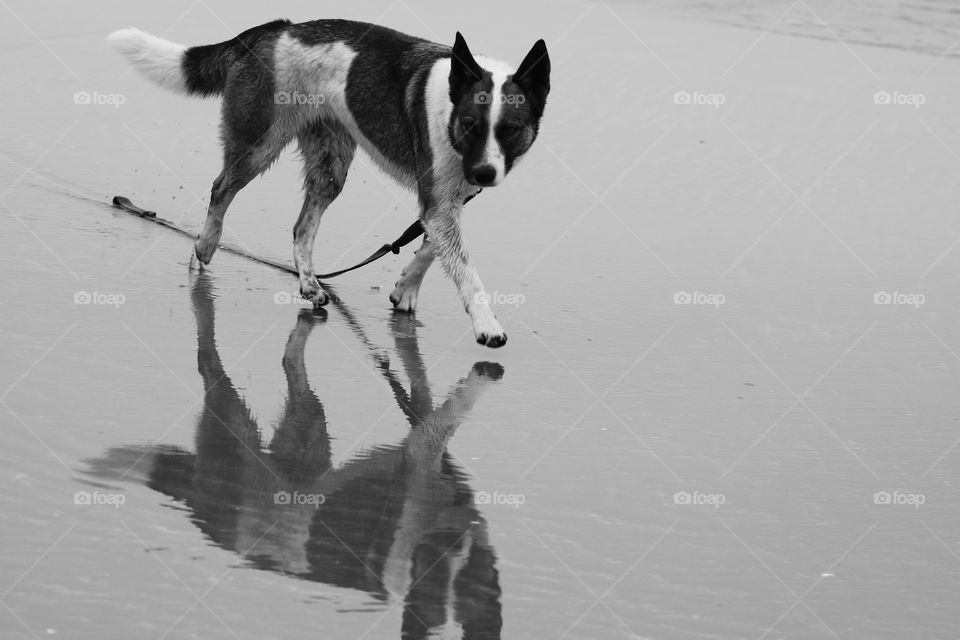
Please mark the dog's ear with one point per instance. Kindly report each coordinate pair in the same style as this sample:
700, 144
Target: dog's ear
533, 75
464, 70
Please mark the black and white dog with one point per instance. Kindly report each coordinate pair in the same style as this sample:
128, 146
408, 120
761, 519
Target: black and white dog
439, 120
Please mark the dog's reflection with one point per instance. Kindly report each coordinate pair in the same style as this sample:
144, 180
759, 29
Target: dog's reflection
398, 522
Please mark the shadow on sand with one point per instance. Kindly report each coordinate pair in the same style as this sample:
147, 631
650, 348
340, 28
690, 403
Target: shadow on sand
395, 521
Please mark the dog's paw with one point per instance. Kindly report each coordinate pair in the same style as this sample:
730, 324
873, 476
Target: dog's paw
404, 300
488, 370
488, 331
494, 341
204, 250
311, 290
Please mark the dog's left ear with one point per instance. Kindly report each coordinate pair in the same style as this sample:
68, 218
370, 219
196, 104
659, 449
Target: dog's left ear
464, 70
533, 75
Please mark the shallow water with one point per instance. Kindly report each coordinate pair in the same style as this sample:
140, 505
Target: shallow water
775, 459
925, 26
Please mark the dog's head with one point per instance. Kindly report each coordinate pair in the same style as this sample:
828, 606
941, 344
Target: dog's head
496, 114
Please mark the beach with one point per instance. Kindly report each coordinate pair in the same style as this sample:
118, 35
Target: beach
727, 407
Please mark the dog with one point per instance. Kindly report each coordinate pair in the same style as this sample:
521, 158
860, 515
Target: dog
438, 119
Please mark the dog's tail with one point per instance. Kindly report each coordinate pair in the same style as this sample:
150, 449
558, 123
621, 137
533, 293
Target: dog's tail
188, 70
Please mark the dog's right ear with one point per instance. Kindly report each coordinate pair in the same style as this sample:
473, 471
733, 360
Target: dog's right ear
464, 70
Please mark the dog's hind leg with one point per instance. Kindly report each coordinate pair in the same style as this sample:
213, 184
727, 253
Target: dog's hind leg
327, 150
407, 288
242, 163
225, 187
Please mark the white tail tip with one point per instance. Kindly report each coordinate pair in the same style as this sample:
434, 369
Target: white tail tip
157, 59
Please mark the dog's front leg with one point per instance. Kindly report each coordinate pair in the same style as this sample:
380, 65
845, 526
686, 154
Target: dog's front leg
442, 223
407, 288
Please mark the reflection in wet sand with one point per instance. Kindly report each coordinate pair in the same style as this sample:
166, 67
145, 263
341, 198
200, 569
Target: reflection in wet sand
396, 521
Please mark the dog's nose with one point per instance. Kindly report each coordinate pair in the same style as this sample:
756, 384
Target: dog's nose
485, 175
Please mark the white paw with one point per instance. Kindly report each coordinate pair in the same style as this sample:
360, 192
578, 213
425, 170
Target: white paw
488, 331
310, 290
404, 299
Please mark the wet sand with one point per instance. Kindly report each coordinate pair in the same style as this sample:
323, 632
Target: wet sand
627, 466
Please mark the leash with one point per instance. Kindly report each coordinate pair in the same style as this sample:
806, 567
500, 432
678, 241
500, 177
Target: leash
411, 233
382, 361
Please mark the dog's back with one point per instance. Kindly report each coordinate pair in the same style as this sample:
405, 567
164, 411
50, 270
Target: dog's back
285, 76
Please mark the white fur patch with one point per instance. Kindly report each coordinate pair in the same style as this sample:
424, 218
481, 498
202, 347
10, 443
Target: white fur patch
312, 80
449, 181
492, 152
157, 59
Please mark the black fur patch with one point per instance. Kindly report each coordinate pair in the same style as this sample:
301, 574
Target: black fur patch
519, 122
387, 65
205, 68
533, 77
249, 102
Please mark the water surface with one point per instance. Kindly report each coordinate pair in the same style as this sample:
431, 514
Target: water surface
775, 458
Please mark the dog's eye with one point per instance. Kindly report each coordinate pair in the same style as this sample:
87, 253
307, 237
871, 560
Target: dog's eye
510, 130
468, 123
